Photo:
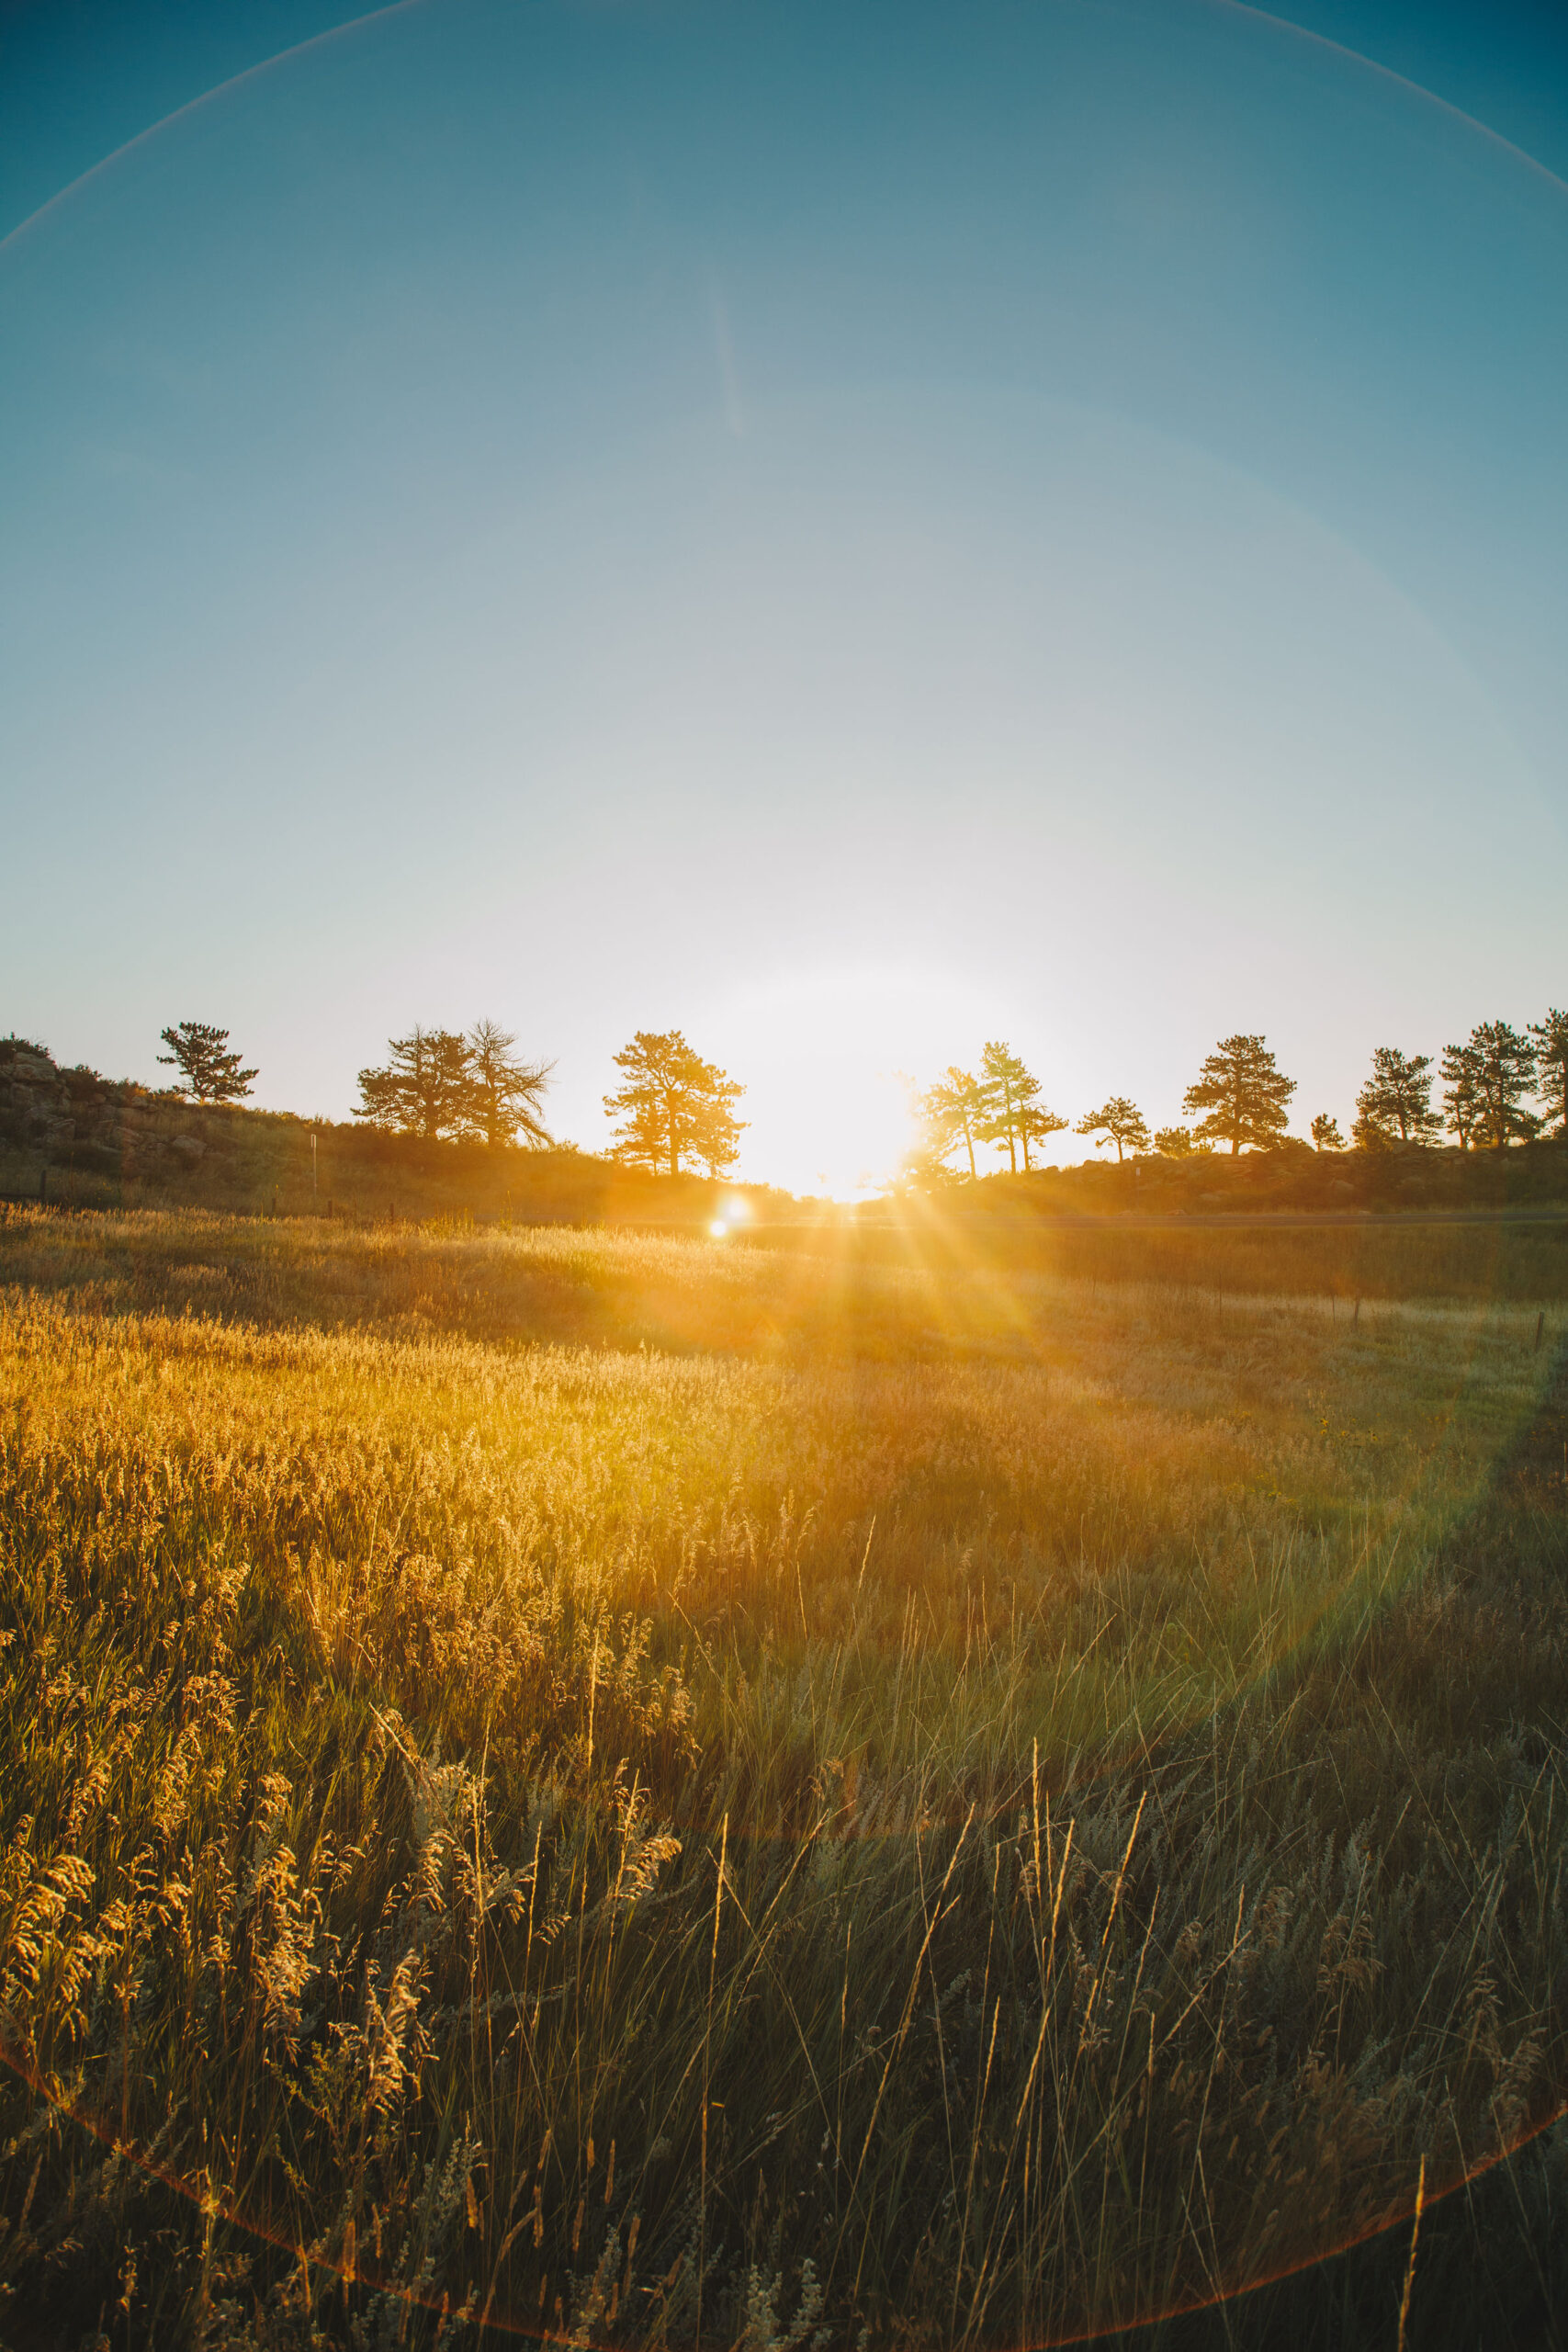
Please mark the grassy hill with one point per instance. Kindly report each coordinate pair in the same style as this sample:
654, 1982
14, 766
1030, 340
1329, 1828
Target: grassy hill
83, 1140
1413, 1181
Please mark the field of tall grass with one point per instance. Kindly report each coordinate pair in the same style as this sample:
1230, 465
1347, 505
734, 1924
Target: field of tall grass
650, 1792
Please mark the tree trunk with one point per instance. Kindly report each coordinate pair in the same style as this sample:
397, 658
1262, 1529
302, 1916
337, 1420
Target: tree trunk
969, 1142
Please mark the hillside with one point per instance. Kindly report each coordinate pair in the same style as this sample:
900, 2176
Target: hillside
88, 1141
1292, 1180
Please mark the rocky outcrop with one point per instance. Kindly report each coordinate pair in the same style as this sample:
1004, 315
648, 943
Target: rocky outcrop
51, 1117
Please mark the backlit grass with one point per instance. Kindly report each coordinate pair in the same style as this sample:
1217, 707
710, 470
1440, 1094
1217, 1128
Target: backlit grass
661, 1792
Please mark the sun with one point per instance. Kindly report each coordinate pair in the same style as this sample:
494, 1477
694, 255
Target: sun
831, 1059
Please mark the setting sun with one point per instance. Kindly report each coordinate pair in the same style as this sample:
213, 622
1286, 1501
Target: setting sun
831, 1058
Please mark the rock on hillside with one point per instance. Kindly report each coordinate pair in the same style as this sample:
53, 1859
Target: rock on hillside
51, 1117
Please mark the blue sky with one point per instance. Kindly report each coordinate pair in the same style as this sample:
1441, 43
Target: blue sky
852, 530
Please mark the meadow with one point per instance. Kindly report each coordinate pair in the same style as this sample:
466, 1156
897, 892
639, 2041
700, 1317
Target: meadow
663, 1792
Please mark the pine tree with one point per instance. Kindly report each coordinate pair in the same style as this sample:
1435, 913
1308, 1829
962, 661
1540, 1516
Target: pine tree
1035, 1122
425, 1087
1241, 1094
1459, 1071
1008, 1092
1175, 1143
1395, 1103
209, 1072
674, 1106
505, 1094
1552, 1067
1487, 1080
1119, 1120
952, 1109
1325, 1135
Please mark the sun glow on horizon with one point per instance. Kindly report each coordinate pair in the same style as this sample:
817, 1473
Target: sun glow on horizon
832, 1059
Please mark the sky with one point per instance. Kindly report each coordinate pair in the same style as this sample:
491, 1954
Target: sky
848, 529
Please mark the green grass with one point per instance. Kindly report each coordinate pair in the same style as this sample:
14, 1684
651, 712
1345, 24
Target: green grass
1480, 1258
664, 1792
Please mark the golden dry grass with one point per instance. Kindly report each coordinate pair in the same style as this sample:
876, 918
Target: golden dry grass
663, 1790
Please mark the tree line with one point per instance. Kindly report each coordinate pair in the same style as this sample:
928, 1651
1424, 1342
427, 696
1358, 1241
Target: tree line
1241, 1100
675, 1111
468, 1087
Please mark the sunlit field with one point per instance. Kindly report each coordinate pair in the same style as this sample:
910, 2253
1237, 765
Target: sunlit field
678, 1792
